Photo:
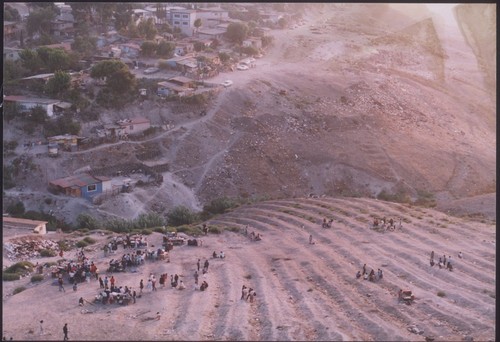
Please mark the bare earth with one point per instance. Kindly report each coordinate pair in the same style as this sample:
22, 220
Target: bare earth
373, 100
304, 292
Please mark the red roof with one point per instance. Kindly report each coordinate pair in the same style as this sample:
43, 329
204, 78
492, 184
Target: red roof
80, 180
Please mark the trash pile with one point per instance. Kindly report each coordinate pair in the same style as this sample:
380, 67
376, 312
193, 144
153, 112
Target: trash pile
28, 247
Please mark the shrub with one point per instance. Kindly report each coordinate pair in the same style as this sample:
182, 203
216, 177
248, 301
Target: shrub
6, 276
219, 206
36, 277
47, 253
248, 276
233, 229
215, 230
146, 232
18, 289
81, 244
189, 230
63, 245
160, 230
20, 267
89, 240
441, 294
181, 215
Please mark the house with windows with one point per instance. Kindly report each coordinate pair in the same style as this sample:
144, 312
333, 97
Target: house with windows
183, 19
82, 185
211, 16
126, 127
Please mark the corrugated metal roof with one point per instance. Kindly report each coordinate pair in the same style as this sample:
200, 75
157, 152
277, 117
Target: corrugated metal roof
20, 98
79, 181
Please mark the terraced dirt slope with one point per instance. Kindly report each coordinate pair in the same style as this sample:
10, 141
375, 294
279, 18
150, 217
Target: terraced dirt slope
304, 291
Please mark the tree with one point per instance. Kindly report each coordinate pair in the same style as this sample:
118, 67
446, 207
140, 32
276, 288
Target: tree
198, 46
148, 48
224, 57
39, 21
30, 60
16, 209
54, 59
267, 40
165, 28
60, 83
122, 15
85, 45
11, 14
181, 215
120, 83
237, 32
165, 49
197, 23
60, 126
104, 11
37, 115
147, 29
13, 70
215, 43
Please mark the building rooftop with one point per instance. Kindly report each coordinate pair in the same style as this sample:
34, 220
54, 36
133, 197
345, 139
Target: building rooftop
14, 222
77, 180
20, 98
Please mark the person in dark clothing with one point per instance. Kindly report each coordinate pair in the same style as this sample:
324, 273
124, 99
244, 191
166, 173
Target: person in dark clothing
198, 265
65, 331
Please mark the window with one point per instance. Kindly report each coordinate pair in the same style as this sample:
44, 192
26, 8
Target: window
92, 187
177, 15
185, 16
176, 23
131, 127
185, 23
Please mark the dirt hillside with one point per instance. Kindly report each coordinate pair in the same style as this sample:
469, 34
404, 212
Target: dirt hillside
304, 291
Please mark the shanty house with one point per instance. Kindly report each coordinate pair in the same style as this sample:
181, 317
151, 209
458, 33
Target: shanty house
66, 141
19, 224
81, 185
25, 104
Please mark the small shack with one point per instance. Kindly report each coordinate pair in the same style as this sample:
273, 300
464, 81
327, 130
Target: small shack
21, 225
81, 185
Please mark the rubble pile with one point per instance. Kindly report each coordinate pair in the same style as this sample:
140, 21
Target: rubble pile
28, 247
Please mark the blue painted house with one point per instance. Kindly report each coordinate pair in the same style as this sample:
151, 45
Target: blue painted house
81, 185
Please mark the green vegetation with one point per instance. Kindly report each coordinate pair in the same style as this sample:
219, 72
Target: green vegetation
47, 253
81, 244
89, 240
181, 215
36, 277
15, 271
425, 199
18, 290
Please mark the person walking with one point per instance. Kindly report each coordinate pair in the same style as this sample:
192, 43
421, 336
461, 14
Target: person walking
141, 286
101, 283
310, 239
106, 281
134, 295
198, 265
153, 284
61, 287
196, 277
65, 331
41, 327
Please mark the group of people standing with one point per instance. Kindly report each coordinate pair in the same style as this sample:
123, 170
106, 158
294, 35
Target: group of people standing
443, 261
370, 276
248, 294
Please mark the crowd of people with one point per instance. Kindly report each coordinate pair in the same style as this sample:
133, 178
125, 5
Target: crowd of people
386, 224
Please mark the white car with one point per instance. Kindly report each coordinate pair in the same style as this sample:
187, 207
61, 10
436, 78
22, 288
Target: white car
242, 67
227, 83
151, 70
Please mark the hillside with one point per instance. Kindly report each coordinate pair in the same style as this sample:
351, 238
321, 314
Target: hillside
304, 291
358, 101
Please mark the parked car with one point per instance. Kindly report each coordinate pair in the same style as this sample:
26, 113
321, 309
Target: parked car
227, 83
242, 67
151, 70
